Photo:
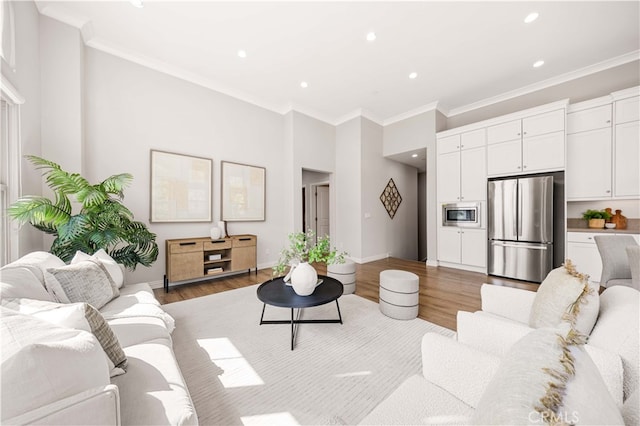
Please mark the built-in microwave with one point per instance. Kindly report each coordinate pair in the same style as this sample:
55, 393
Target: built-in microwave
461, 214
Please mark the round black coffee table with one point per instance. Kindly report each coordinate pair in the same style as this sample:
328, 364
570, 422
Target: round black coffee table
276, 293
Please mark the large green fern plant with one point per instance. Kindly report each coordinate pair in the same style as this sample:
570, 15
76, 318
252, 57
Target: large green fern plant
102, 223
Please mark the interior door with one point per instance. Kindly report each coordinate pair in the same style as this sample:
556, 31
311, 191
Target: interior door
322, 211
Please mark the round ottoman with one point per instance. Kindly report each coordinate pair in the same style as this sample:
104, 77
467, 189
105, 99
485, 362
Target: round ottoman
399, 294
345, 273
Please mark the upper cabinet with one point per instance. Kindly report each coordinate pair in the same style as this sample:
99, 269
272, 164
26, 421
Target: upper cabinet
531, 144
461, 167
603, 147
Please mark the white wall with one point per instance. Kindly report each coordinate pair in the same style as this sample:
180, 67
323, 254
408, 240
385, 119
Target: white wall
25, 77
131, 109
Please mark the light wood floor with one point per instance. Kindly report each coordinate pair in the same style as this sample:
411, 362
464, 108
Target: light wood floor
443, 291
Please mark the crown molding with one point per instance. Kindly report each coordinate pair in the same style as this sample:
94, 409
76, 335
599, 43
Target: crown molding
572, 75
412, 113
53, 12
308, 112
8, 91
359, 112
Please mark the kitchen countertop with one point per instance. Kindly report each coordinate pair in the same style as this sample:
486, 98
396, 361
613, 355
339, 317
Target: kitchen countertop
580, 225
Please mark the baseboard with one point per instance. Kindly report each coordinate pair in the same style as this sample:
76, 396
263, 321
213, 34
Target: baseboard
433, 263
156, 284
370, 258
463, 267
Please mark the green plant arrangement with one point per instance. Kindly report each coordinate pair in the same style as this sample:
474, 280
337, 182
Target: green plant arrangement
596, 214
102, 223
302, 249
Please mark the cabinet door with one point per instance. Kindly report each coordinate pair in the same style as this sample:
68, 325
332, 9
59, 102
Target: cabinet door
586, 258
474, 247
474, 139
448, 144
448, 176
626, 171
589, 164
545, 152
508, 131
504, 158
243, 258
628, 110
186, 266
589, 119
541, 124
449, 244
473, 174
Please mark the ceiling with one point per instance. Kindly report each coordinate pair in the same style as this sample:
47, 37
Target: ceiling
465, 54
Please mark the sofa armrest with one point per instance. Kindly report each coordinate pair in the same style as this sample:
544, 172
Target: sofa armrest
508, 302
489, 333
459, 369
96, 406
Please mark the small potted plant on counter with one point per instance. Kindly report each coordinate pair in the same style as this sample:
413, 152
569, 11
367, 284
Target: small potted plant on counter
596, 218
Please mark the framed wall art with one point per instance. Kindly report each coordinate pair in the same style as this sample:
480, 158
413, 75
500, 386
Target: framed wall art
180, 188
243, 192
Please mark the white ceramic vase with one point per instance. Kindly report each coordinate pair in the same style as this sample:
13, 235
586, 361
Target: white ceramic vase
215, 233
304, 279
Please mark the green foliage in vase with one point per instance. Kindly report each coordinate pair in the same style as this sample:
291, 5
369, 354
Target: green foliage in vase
596, 214
102, 223
302, 249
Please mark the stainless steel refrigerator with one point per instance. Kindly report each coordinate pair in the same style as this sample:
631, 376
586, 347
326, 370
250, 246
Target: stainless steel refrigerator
520, 227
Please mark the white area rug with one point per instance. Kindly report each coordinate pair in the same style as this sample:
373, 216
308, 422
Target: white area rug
240, 372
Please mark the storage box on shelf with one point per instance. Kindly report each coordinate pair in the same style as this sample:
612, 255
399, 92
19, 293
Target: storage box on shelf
190, 259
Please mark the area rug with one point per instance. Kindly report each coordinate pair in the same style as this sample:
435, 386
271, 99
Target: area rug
240, 372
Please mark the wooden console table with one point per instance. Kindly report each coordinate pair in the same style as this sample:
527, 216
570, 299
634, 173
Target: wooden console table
190, 259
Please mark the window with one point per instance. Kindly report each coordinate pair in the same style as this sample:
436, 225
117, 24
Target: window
9, 168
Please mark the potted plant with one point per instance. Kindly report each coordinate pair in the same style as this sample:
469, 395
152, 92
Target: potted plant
596, 218
103, 222
299, 254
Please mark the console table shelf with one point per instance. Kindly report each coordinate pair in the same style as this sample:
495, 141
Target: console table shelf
191, 259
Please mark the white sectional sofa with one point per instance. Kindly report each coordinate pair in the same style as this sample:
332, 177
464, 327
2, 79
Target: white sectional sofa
466, 372
62, 390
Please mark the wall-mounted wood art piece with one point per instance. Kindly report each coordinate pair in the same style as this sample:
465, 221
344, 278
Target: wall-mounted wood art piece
180, 188
391, 198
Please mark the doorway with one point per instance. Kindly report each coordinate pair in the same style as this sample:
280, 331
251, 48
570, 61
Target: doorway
316, 200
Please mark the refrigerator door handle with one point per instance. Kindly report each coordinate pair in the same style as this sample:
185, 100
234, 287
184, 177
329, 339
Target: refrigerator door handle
519, 210
519, 246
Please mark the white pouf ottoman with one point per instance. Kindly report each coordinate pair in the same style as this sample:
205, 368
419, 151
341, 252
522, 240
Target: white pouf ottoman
345, 273
399, 294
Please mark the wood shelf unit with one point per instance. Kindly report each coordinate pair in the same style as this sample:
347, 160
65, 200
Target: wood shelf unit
192, 259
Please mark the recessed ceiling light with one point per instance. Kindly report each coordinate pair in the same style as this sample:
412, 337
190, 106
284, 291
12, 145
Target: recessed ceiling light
413, 75
304, 84
414, 156
531, 17
538, 64
242, 53
371, 36
137, 3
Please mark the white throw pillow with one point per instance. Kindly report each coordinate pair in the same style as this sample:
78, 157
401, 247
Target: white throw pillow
565, 294
79, 316
114, 269
86, 281
25, 277
547, 378
43, 363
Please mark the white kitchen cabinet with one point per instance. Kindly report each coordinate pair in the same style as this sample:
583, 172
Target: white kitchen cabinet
462, 246
626, 172
588, 172
628, 110
531, 144
461, 173
598, 117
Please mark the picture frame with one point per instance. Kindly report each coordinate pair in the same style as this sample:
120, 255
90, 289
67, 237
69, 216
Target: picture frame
180, 188
243, 192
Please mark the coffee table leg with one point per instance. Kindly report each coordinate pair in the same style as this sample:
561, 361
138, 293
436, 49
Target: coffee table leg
264, 305
339, 314
293, 334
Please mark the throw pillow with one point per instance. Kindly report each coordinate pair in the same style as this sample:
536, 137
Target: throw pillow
547, 378
79, 316
113, 268
25, 277
43, 363
86, 281
565, 295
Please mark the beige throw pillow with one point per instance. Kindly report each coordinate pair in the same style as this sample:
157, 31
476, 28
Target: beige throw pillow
112, 267
565, 295
86, 281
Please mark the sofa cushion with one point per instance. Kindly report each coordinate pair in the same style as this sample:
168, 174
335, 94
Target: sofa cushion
43, 362
547, 377
86, 281
153, 388
25, 277
135, 301
113, 268
79, 316
565, 295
